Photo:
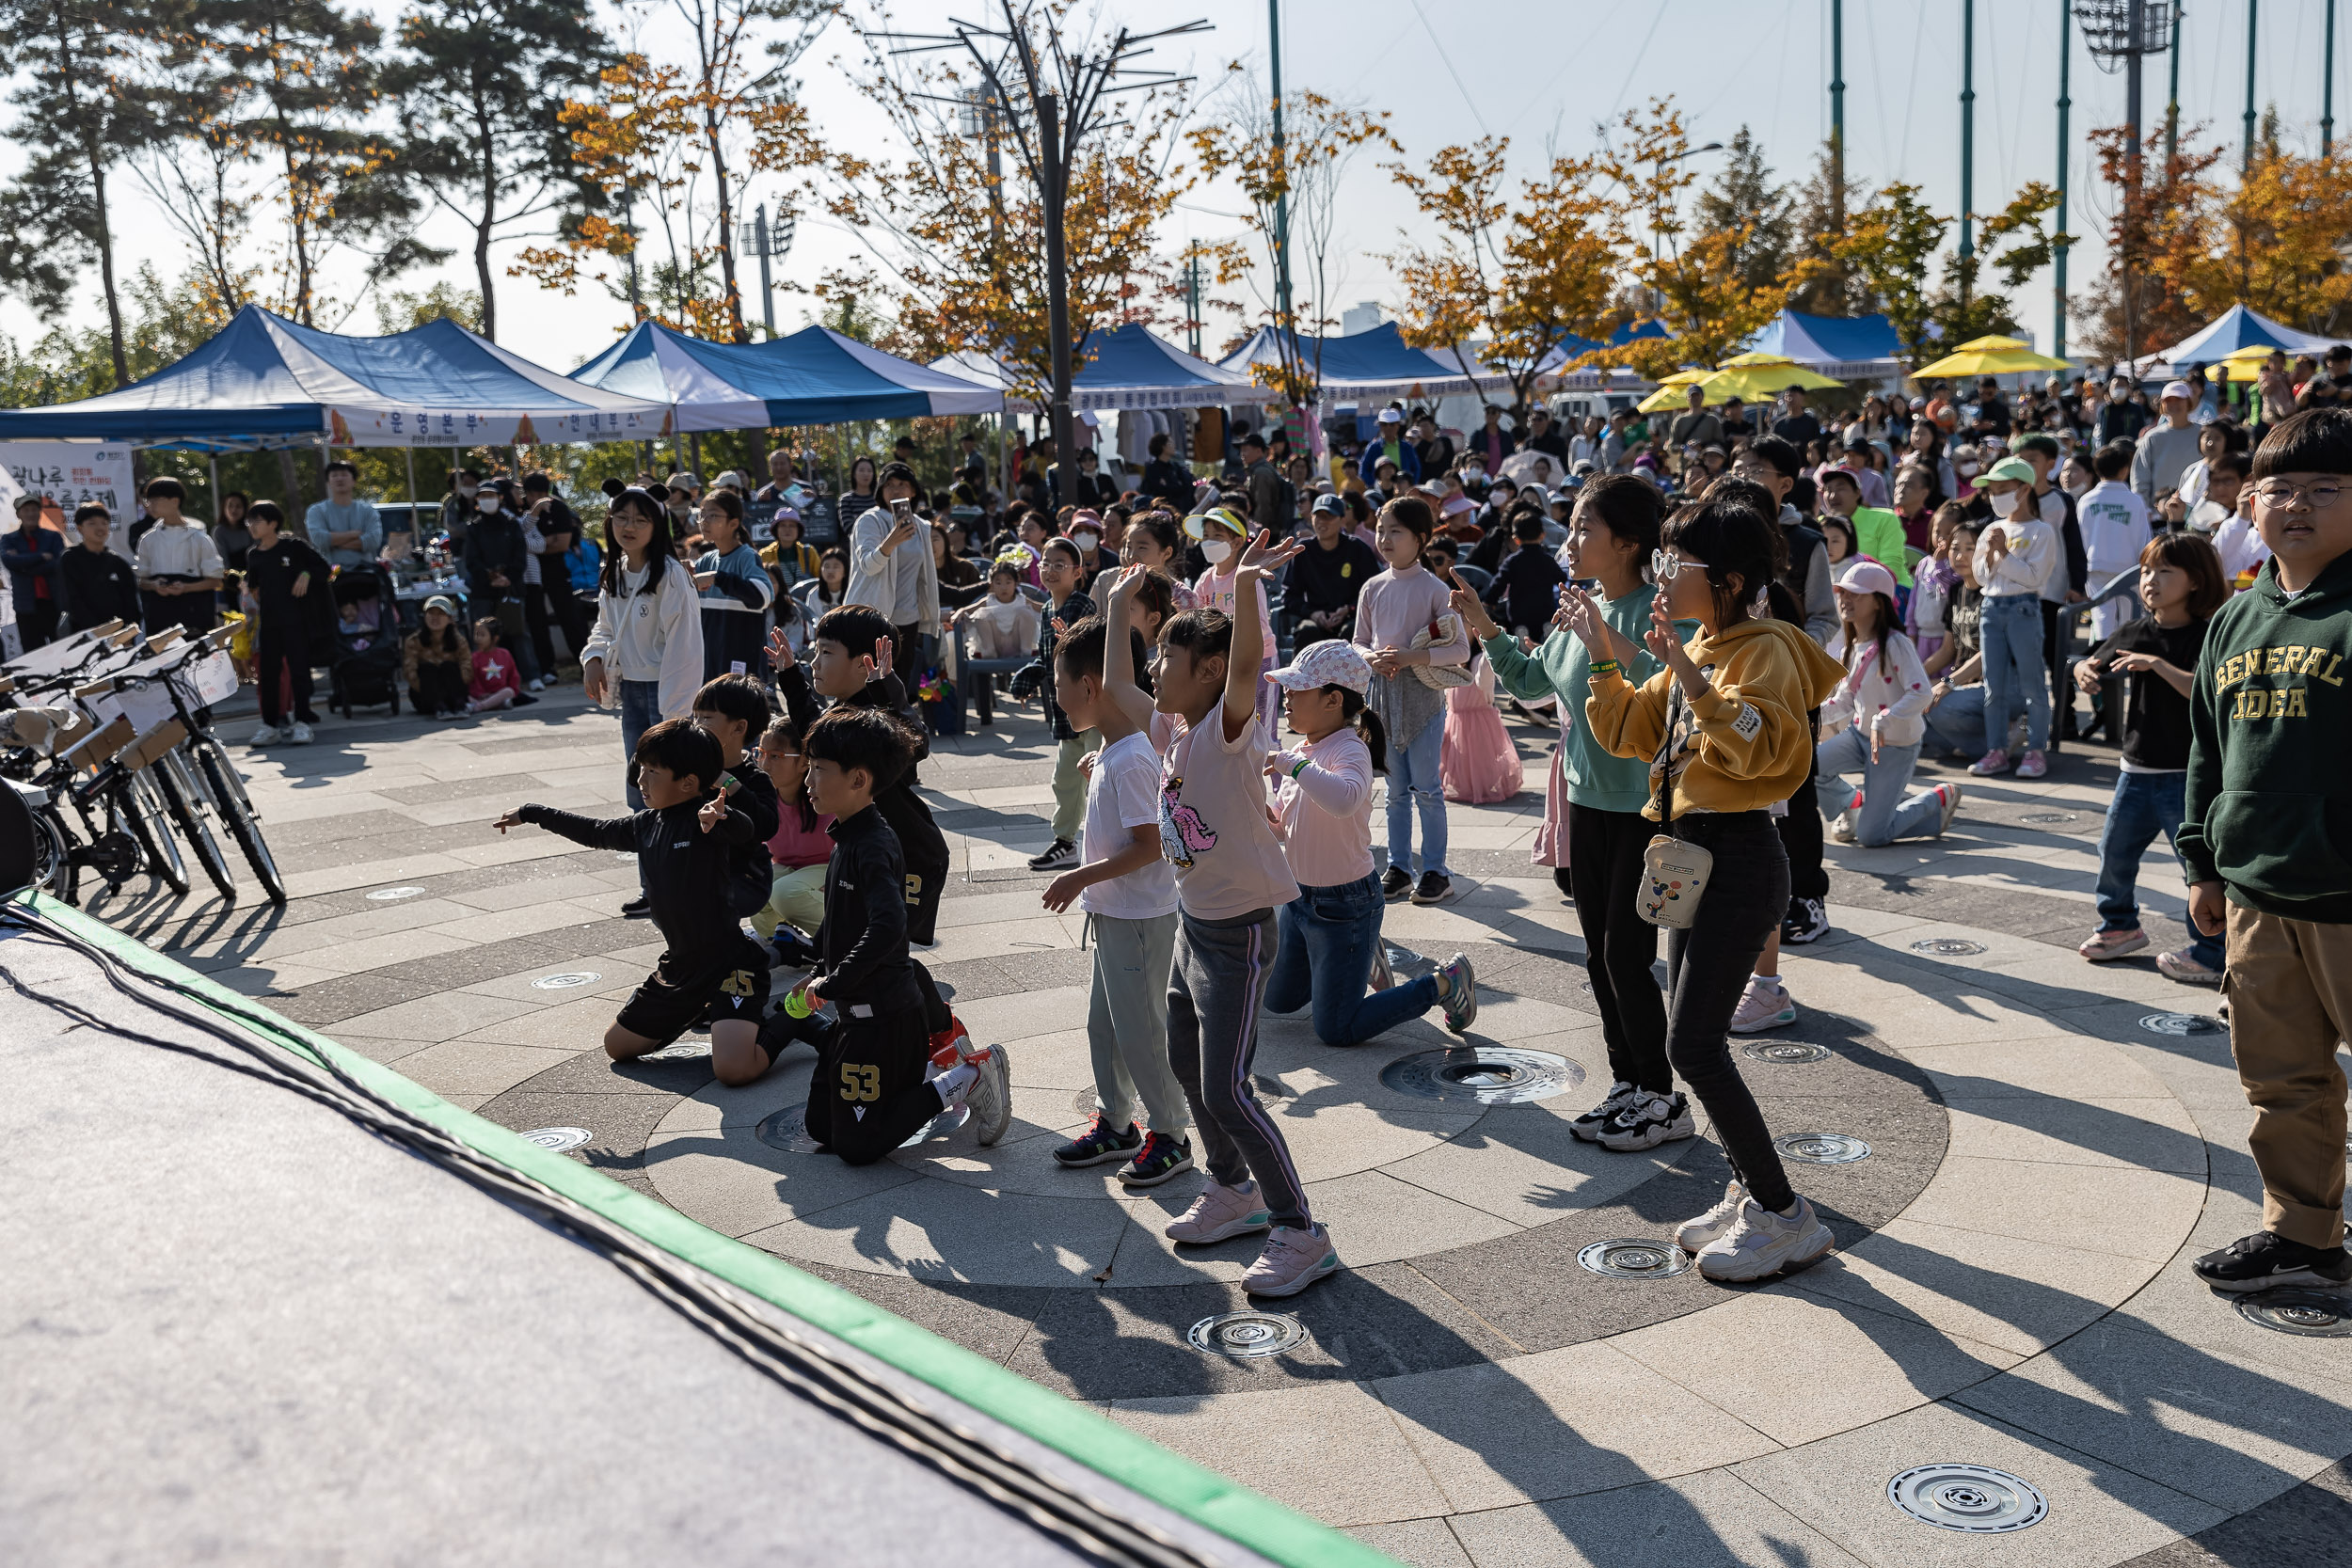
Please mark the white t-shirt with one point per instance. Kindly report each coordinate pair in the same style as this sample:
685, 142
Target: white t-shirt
1214, 827
1124, 794
2114, 522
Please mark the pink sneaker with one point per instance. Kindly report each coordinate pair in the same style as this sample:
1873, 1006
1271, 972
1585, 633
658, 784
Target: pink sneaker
2033, 767
1990, 763
1293, 1259
1218, 1213
2101, 946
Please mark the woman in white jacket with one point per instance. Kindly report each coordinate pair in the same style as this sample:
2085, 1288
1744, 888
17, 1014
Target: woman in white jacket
647, 653
1874, 721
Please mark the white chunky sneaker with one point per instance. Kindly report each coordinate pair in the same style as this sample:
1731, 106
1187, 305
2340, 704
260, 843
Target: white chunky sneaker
1588, 1126
1646, 1121
1760, 1243
1694, 1235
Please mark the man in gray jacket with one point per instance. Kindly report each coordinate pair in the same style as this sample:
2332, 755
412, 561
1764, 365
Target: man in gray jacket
2168, 447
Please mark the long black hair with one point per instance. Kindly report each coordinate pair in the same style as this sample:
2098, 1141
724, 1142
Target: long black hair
648, 500
1368, 725
1731, 540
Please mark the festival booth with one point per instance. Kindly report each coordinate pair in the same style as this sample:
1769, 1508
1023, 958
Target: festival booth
814, 376
2239, 328
264, 382
1124, 367
1848, 348
1369, 367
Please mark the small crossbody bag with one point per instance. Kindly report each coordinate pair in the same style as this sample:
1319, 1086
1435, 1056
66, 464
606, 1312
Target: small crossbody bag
1674, 871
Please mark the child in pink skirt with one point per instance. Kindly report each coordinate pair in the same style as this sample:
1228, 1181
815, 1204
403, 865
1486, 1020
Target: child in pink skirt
1478, 762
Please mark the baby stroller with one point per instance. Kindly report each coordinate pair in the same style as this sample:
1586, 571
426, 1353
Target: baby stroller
365, 671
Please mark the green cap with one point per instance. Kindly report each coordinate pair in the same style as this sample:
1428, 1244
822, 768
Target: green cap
2012, 467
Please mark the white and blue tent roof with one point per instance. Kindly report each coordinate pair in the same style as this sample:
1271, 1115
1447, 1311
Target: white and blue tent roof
1378, 363
1847, 347
2235, 329
264, 381
814, 376
1128, 366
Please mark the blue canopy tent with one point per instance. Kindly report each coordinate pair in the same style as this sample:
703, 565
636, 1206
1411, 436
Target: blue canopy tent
814, 376
265, 382
1370, 365
1848, 348
2235, 329
1127, 365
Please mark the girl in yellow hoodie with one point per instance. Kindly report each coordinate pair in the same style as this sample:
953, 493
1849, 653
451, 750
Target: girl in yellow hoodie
1725, 725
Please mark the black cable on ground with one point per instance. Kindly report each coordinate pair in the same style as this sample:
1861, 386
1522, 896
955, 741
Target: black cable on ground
1037, 1497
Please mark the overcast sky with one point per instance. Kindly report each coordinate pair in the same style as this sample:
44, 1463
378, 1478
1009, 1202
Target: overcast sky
1550, 73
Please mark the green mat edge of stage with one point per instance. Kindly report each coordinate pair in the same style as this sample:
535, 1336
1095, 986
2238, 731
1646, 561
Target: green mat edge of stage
1100, 1444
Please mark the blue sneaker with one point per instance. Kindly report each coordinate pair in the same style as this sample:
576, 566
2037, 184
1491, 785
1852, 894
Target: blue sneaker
1161, 1158
1460, 999
1100, 1143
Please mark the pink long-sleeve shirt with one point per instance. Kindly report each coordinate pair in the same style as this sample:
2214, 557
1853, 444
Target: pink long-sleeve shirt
1394, 608
1324, 813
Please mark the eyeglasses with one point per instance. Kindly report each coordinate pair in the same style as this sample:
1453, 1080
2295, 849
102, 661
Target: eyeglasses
2285, 492
1663, 564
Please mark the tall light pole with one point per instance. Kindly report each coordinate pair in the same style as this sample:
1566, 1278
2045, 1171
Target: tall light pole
2119, 33
2058, 260
760, 239
2252, 9
1050, 99
1967, 142
1281, 177
2172, 95
2327, 80
1837, 116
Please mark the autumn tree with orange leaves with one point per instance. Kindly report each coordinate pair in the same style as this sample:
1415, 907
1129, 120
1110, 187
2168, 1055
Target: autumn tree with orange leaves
1528, 278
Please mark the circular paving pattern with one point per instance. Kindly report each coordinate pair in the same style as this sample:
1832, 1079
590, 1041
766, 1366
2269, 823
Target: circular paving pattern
1633, 1260
1490, 1074
1972, 1498
1247, 1336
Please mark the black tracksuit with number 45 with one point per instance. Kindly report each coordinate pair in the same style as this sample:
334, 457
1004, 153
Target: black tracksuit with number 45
867, 1095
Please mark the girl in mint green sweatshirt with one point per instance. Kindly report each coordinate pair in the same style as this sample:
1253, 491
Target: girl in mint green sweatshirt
1611, 536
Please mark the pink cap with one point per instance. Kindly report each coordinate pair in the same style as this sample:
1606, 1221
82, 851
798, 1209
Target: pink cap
1865, 576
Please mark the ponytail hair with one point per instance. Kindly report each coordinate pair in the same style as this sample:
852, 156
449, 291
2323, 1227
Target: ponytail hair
1354, 710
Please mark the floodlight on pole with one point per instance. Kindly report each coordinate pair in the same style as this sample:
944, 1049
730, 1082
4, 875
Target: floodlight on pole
765, 240
2120, 34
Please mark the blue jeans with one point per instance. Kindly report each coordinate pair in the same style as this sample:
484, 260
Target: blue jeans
1957, 723
1414, 781
1886, 815
1328, 938
641, 710
2011, 640
2144, 805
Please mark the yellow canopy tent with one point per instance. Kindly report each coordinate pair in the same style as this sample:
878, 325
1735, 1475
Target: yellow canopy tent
2245, 364
1746, 376
1993, 355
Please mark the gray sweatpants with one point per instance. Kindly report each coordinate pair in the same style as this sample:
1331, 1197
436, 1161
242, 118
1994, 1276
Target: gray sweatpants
1214, 994
1127, 1023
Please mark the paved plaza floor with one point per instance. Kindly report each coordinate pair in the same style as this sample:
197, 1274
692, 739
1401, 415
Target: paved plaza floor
2047, 1144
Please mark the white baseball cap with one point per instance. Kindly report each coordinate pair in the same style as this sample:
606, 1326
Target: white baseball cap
2178, 390
1330, 662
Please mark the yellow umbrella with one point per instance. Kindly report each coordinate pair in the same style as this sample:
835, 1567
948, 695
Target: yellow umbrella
1748, 381
1741, 362
1669, 393
1989, 356
2245, 364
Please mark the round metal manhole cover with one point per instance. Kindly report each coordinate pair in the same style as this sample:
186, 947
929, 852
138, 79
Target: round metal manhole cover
1490, 1075
2045, 818
1246, 1335
1822, 1148
558, 1139
1947, 947
565, 982
683, 1051
1634, 1258
1784, 1052
784, 1130
2313, 1314
1974, 1499
2180, 1023
392, 894
1086, 1102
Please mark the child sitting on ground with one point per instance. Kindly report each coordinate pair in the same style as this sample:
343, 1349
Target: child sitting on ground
798, 851
849, 665
685, 841
496, 684
2181, 583
1004, 623
435, 662
1124, 884
869, 1093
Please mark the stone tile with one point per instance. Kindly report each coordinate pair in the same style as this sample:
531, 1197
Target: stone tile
2017, 1294
1832, 1365
1422, 1543
373, 953
581, 885
2231, 1432
2049, 1066
938, 1231
1521, 1163
991, 1321
435, 1018
727, 1178
1330, 1449
2141, 1135
475, 1066
1710, 1520
2100, 1512
2133, 1214
1584, 1418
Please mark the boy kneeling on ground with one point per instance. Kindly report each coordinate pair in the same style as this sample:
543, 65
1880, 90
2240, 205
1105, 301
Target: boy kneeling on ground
870, 1093
688, 840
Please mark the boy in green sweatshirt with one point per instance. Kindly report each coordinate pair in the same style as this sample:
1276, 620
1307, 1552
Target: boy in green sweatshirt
2268, 843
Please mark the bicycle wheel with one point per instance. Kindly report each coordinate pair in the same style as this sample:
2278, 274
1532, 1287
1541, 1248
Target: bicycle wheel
236, 810
54, 871
135, 802
180, 799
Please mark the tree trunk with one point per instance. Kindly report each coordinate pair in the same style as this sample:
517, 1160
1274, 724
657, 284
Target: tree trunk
735, 328
483, 143
104, 236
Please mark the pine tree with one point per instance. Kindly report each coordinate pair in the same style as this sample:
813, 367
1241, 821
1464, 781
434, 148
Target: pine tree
1744, 193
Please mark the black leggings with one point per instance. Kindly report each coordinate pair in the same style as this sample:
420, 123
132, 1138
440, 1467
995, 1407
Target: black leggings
439, 687
1604, 873
1801, 831
1708, 967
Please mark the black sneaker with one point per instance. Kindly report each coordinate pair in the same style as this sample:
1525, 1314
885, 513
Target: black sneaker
792, 950
1162, 1157
1647, 1120
2265, 1261
1396, 884
1588, 1126
1099, 1143
1060, 855
639, 907
1560, 880
1432, 888
1807, 921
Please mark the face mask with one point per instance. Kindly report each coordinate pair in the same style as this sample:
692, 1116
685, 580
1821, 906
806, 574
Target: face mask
1215, 551
1966, 470
1086, 541
466, 487
490, 503
2004, 505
